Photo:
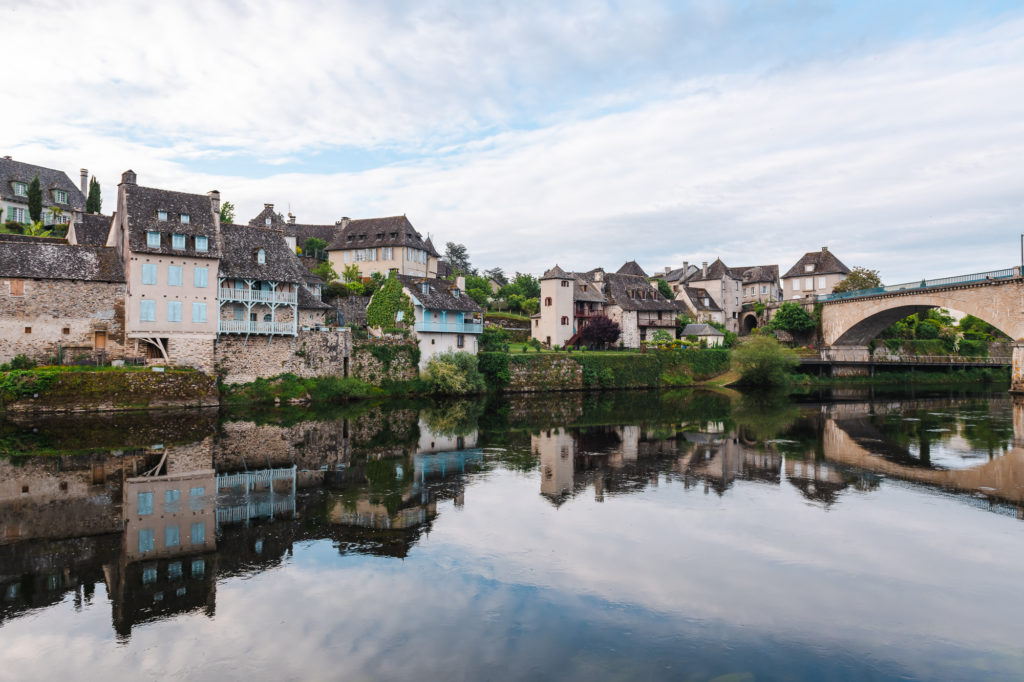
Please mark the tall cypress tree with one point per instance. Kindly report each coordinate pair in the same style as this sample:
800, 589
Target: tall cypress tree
35, 200
93, 203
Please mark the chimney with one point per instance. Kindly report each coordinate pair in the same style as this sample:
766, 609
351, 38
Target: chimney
704, 270
824, 248
8, 157
291, 218
343, 222
686, 268
215, 206
85, 181
667, 269
460, 281
128, 177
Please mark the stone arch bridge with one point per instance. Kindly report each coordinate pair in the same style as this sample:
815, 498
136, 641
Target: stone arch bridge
850, 320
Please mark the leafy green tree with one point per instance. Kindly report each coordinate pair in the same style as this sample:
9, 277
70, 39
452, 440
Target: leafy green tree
56, 215
227, 213
314, 247
493, 338
519, 290
661, 336
664, 288
375, 283
763, 361
93, 202
478, 289
454, 374
792, 318
498, 275
36, 229
35, 200
457, 256
858, 279
388, 304
350, 273
530, 306
325, 271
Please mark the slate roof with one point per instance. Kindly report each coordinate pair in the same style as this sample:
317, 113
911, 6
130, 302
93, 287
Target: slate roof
141, 216
12, 171
268, 212
631, 268
755, 274
556, 273
93, 229
824, 262
587, 291
697, 296
308, 301
390, 231
439, 296
353, 309
5, 237
618, 287
238, 255
700, 330
45, 259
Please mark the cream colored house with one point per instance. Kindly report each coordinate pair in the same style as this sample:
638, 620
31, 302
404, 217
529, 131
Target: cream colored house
62, 201
382, 245
815, 274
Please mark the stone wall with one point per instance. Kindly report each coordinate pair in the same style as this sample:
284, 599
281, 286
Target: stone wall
310, 354
61, 313
543, 372
377, 360
190, 351
70, 391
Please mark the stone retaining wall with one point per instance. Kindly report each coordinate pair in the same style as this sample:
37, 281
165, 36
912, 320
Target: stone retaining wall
310, 354
377, 360
544, 373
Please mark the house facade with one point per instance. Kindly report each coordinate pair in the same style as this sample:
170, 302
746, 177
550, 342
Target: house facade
62, 201
446, 318
383, 245
732, 288
700, 306
815, 274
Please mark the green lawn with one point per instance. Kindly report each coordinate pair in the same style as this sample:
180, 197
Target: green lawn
507, 316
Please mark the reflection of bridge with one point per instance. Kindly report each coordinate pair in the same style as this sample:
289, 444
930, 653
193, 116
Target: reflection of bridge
849, 321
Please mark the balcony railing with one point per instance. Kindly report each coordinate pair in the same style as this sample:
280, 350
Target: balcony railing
450, 327
243, 327
257, 296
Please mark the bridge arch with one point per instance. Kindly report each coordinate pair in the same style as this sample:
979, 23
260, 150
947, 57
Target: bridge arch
855, 321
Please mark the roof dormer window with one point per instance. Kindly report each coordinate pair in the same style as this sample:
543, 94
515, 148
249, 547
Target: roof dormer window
380, 235
425, 288
261, 256
178, 242
267, 222
348, 238
809, 267
153, 240
394, 235
455, 292
161, 216
202, 244
20, 189
60, 196
184, 219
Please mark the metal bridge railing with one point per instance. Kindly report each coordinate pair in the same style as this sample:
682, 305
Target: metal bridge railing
1005, 273
918, 359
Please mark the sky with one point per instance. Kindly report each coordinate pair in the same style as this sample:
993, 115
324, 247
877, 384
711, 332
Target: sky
579, 133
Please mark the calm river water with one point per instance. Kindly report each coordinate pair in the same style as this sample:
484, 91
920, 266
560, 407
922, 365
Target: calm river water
623, 536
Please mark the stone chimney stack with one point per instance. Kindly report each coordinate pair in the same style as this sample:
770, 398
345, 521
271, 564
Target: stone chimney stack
824, 248
460, 283
128, 177
704, 270
215, 206
686, 267
343, 222
667, 269
85, 182
291, 218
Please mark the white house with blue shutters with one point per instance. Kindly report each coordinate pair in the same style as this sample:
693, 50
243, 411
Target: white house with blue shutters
447, 319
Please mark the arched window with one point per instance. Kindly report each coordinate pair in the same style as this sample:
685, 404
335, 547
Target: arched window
565, 320
547, 301
261, 256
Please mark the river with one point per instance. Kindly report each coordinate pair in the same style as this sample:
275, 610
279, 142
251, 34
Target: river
682, 535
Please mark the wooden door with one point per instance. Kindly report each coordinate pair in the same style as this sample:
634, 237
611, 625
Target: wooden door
99, 341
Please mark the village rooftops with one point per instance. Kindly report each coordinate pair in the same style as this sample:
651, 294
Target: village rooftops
50, 181
756, 274
631, 268
93, 229
370, 232
821, 263
556, 273
47, 259
633, 292
240, 257
308, 301
168, 213
437, 294
702, 300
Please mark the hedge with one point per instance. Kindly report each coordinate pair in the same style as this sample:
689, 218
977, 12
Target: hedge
619, 371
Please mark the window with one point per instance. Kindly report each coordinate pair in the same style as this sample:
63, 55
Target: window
174, 311
261, 256
199, 565
809, 284
565, 283
17, 287
202, 244
460, 341
172, 537
145, 504
149, 273
266, 222
796, 284
809, 267
198, 533
174, 275
266, 317
174, 570
238, 314
565, 320
171, 496
149, 574
60, 196
455, 292
200, 277
20, 189
147, 311
161, 216
387, 253
764, 289
195, 498
547, 301
184, 219
146, 542
16, 214
153, 240
344, 255
178, 242
822, 283
425, 288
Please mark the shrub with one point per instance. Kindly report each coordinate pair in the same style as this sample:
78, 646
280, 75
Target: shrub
792, 318
762, 361
494, 367
454, 373
493, 338
22, 361
600, 331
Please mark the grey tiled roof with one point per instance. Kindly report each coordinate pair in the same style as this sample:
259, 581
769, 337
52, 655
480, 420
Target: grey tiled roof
44, 259
12, 171
697, 297
631, 268
700, 330
755, 274
93, 229
439, 296
825, 263
587, 291
308, 301
238, 255
369, 232
556, 273
142, 206
645, 297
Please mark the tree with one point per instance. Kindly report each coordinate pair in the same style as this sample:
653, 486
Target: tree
56, 214
35, 200
664, 288
227, 213
457, 256
522, 285
390, 306
763, 361
325, 271
859, 278
350, 273
792, 318
93, 203
600, 331
478, 289
314, 246
498, 275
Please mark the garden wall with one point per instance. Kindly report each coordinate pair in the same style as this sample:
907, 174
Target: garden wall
310, 354
544, 372
55, 390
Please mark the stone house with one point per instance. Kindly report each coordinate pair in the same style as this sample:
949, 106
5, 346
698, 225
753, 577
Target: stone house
446, 318
170, 244
731, 288
815, 274
570, 300
700, 305
57, 297
59, 193
704, 332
